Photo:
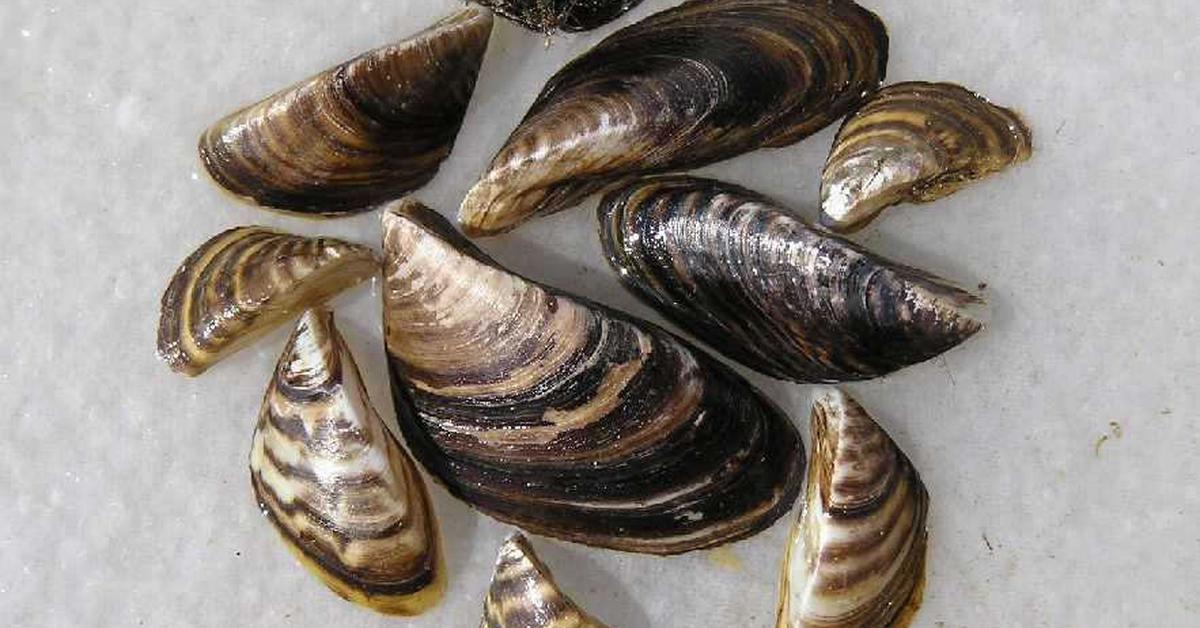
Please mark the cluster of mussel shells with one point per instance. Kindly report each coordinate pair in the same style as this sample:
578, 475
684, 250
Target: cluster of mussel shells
561, 416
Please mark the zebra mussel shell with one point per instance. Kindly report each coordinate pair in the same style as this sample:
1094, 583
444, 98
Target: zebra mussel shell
566, 418
523, 593
856, 556
692, 85
916, 142
246, 281
359, 134
548, 16
771, 292
342, 493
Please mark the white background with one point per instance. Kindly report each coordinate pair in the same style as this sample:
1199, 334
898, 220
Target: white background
124, 487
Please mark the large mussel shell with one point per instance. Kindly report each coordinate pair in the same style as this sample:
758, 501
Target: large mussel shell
523, 593
770, 291
339, 489
567, 418
547, 16
856, 556
242, 283
916, 142
359, 134
695, 84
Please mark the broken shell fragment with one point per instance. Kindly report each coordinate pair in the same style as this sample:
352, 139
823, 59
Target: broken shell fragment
916, 142
523, 593
246, 281
766, 289
547, 16
343, 495
359, 134
856, 556
566, 418
692, 85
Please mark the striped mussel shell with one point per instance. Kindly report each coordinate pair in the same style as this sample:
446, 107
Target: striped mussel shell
915, 143
244, 282
359, 134
856, 556
344, 496
548, 16
761, 286
566, 418
523, 593
695, 84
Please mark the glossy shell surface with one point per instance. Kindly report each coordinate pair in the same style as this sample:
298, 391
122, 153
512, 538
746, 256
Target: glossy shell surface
342, 493
915, 143
692, 85
359, 134
244, 282
547, 16
856, 556
523, 593
763, 287
566, 418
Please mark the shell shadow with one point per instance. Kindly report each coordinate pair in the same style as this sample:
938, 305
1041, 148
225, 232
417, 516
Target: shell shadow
600, 593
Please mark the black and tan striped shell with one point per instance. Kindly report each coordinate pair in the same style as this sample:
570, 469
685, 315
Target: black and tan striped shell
766, 289
246, 281
566, 418
856, 556
359, 134
523, 593
548, 16
916, 142
344, 496
692, 85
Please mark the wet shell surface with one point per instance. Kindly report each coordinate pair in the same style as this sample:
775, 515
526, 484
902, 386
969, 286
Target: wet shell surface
916, 142
566, 418
246, 281
547, 16
766, 289
339, 489
856, 556
692, 85
359, 134
523, 593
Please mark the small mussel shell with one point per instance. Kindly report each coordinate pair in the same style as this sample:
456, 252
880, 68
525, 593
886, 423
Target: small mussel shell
856, 556
766, 289
244, 282
359, 134
523, 593
343, 495
567, 418
547, 16
695, 84
916, 142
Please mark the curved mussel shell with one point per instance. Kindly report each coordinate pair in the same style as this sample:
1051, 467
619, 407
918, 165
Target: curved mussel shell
245, 281
702, 82
856, 556
567, 418
547, 16
339, 489
770, 291
359, 134
916, 142
524, 595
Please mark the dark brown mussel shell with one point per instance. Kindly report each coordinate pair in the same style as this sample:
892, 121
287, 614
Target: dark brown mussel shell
566, 418
916, 142
692, 85
359, 134
342, 493
856, 556
768, 290
548, 16
523, 593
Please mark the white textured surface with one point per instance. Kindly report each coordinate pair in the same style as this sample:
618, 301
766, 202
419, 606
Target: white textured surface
125, 488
